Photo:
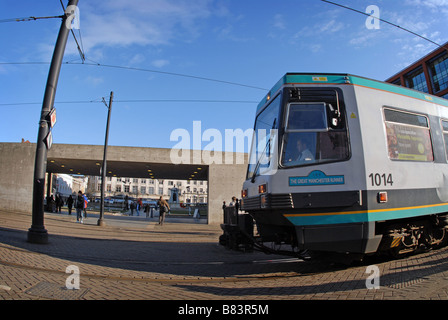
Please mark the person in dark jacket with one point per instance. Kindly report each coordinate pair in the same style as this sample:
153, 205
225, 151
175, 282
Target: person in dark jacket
70, 204
79, 207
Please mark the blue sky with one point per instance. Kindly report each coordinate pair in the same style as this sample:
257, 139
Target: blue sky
250, 42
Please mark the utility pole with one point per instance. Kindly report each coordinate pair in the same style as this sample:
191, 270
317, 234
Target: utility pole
104, 166
37, 233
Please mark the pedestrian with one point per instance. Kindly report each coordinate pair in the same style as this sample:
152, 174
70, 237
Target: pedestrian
47, 205
139, 205
53, 204
126, 203
132, 206
233, 202
86, 201
79, 207
59, 203
163, 208
147, 210
70, 204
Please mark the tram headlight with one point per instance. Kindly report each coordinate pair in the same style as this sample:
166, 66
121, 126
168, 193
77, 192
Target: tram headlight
244, 193
262, 188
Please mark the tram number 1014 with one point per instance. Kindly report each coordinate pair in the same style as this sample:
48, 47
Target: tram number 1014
381, 179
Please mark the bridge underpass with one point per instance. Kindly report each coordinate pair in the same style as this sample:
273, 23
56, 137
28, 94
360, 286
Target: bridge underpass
17, 170
128, 169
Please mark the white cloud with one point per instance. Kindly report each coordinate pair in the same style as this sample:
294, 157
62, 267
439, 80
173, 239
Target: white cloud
160, 63
435, 6
429, 3
136, 59
94, 80
321, 29
331, 26
414, 51
315, 47
140, 22
363, 39
279, 22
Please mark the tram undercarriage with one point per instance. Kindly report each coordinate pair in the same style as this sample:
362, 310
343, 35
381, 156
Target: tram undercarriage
399, 238
414, 235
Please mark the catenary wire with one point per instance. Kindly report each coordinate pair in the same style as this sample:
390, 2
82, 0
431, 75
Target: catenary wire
32, 18
135, 101
167, 73
385, 21
94, 63
143, 70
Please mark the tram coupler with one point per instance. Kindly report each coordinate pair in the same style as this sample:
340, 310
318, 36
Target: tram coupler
238, 230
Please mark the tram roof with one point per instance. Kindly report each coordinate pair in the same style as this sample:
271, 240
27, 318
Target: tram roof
347, 79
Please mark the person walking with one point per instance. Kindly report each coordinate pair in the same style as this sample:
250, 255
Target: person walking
139, 205
53, 204
70, 204
79, 207
86, 201
163, 208
132, 207
59, 203
147, 210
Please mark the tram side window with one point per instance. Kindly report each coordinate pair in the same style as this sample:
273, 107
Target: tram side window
445, 135
408, 136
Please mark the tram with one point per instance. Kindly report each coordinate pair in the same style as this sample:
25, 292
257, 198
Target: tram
345, 164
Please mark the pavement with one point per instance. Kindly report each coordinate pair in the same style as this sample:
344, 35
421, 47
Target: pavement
134, 258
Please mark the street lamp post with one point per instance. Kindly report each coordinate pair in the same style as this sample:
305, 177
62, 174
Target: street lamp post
37, 233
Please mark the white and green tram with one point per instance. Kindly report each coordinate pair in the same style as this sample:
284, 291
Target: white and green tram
342, 163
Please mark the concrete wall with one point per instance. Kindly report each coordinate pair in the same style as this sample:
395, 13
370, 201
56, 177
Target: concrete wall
16, 176
224, 181
17, 171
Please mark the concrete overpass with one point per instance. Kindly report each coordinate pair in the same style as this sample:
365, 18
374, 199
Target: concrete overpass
225, 176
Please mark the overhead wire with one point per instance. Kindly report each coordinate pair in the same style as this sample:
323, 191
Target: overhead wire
385, 21
93, 63
32, 18
168, 73
136, 101
80, 50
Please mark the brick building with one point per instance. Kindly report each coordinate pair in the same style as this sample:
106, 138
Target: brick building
429, 74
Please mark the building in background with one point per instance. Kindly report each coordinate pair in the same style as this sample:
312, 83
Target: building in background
189, 191
65, 184
429, 74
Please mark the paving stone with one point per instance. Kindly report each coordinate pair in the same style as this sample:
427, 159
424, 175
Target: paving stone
182, 261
